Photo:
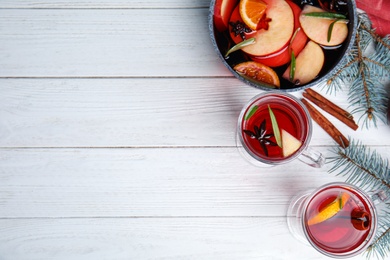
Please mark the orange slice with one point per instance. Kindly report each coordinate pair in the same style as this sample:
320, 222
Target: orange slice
330, 210
258, 72
252, 11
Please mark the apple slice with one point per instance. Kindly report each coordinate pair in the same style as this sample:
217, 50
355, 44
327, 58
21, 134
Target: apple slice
317, 28
279, 31
222, 11
308, 64
290, 144
283, 56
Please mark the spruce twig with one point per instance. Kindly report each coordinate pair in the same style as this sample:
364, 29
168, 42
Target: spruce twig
379, 246
364, 72
374, 35
369, 171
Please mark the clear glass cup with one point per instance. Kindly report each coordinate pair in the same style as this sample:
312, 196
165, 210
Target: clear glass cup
256, 139
338, 219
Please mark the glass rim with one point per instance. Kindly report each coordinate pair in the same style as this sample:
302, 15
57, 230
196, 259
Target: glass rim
290, 158
359, 249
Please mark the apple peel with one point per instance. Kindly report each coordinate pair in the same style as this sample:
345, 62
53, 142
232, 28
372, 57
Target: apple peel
308, 64
290, 144
278, 35
317, 28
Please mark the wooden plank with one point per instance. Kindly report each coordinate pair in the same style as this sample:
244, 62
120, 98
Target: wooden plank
140, 238
136, 113
107, 43
147, 182
151, 182
105, 4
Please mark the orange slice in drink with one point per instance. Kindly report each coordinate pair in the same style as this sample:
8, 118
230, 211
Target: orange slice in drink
252, 11
330, 210
258, 72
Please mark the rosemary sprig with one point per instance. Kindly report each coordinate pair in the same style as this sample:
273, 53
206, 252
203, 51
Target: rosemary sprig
240, 45
293, 36
292, 66
326, 15
275, 127
251, 112
340, 198
292, 58
330, 29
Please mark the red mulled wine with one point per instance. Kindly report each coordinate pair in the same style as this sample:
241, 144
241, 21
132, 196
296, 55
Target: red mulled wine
256, 128
339, 220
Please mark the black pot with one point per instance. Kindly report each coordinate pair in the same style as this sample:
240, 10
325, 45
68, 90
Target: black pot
334, 59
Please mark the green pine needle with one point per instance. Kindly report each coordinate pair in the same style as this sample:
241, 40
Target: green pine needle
364, 73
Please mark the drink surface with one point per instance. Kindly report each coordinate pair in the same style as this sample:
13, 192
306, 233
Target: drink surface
256, 126
345, 231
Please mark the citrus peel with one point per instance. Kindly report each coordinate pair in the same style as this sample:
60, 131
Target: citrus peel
258, 72
330, 210
252, 11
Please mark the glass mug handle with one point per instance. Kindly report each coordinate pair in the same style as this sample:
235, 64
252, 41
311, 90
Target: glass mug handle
312, 157
379, 197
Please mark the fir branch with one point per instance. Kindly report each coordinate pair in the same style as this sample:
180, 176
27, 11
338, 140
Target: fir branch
375, 36
376, 63
379, 247
338, 73
369, 171
365, 168
364, 72
365, 22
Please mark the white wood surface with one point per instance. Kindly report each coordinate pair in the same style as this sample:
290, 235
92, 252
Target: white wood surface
105, 4
117, 125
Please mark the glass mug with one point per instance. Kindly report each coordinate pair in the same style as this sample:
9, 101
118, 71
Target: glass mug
256, 139
338, 219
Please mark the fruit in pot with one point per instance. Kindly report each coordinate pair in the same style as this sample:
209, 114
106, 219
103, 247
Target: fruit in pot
278, 34
258, 72
222, 12
317, 28
296, 44
308, 64
251, 12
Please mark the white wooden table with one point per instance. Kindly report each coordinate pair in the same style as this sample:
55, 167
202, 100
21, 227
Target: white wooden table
117, 124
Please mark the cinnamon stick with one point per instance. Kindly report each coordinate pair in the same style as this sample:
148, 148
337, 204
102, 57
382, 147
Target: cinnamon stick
334, 106
328, 106
360, 220
325, 124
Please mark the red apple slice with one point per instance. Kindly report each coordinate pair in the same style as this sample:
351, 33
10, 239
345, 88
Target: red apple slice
308, 64
290, 144
222, 12
283, 56
278, 34
317, 28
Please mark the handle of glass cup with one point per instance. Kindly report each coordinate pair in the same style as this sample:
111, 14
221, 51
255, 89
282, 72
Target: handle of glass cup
379, 197
312, 157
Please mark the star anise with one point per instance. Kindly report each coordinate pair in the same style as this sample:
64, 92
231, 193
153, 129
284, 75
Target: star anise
260, 133
240, 28
264, 23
